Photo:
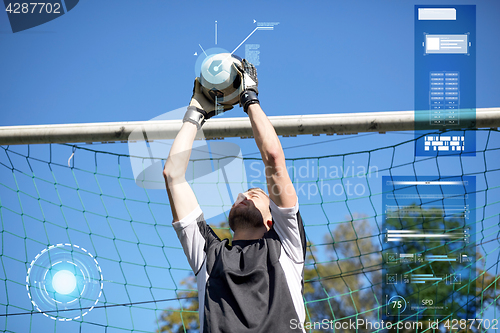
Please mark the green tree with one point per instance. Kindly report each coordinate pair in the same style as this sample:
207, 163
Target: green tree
447, 297
458, 301
347, 283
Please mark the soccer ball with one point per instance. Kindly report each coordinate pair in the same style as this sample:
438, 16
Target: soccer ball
219, 79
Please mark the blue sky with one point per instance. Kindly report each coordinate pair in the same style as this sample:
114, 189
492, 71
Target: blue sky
132, 60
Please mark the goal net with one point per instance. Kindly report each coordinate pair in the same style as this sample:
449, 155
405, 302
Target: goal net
85, 248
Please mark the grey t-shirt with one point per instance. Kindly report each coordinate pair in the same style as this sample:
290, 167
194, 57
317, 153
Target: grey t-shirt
250, 286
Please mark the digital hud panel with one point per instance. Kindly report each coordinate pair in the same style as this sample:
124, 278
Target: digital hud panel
445, 79
428, 247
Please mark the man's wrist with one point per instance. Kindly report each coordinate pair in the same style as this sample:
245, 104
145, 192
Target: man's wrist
253, 107
195, 116
248, 97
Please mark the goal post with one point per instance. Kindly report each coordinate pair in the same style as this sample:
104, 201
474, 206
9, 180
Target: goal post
73, 208
316, 124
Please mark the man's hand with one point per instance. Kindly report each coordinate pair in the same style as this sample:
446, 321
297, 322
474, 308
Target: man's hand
248, 74
249, 83
201, 108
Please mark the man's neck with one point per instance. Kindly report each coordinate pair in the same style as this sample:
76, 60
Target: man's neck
249, 234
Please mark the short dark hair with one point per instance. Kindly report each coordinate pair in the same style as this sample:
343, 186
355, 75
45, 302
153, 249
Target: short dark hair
249, 220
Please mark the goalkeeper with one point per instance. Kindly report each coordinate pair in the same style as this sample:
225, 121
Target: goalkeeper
254, 285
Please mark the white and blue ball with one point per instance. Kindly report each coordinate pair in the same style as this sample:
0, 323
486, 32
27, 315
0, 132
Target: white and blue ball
219, 79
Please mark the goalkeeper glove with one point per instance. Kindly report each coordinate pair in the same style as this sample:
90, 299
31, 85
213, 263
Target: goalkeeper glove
201, 108
249, 82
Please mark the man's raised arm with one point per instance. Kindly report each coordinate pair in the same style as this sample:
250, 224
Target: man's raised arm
279, 185
181, 196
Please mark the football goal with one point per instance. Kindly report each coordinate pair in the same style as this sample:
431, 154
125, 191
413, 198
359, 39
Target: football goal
87, 243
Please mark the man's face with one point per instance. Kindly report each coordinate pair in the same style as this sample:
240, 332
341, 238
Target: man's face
252, 205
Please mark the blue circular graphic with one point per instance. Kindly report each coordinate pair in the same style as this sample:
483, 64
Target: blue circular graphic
398, 299
204, 56
64, 282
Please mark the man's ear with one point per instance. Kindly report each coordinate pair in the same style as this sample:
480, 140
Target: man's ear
269, 224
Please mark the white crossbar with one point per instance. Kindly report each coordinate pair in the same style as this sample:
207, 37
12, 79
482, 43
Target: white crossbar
339, 123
